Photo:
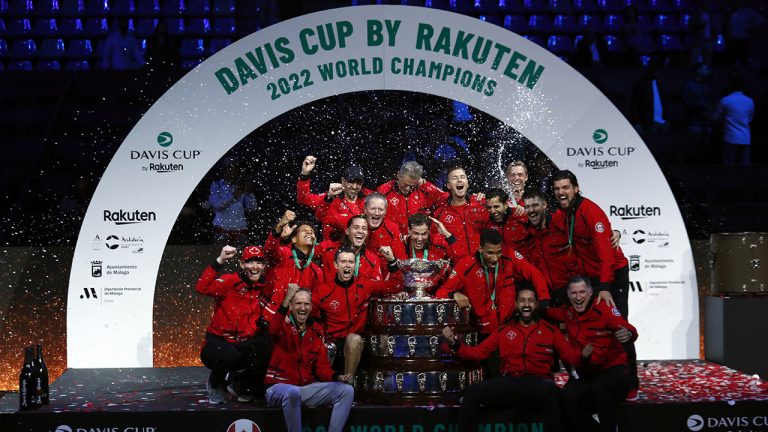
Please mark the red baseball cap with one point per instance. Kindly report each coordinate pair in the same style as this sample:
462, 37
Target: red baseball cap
253, 252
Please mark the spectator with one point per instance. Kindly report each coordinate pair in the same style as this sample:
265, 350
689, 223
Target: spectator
741, 22
163, 50
231, 201
701, 34
121, 50
634, 36
698, 106
647, 108
736, 110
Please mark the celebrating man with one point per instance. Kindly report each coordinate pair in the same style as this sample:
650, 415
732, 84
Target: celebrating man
299, 371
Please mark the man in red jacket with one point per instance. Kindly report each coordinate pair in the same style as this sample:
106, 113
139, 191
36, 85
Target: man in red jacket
527, 348
504, 219
343, 303
382, 231
409, 194
236, 347
486, 282
604, 378
589, 238
356, 236
422, 243
293, 257
299, 371
342, 201
461, 214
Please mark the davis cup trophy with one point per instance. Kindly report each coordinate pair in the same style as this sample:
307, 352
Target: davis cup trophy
407, 365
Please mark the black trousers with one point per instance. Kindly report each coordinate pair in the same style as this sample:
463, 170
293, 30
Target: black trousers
620, 293
529, 392
491, 365
600, 393
221, 357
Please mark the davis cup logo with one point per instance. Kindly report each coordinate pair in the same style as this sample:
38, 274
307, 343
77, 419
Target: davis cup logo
164, 139
243, 425
695, 423
63, 428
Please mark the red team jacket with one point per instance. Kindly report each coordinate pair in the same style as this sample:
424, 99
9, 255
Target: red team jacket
513, 230
595, 326
469, 278
285, 271
547, 249
524, 351
345, 306
400, 206
370, 265
238, 303
297, 359
333, 214
465, 222
591, 239
387, 234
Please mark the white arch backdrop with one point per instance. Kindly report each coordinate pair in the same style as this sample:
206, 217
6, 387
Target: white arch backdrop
114, 270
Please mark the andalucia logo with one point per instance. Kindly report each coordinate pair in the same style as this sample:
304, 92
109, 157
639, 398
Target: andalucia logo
165, 139
600, 136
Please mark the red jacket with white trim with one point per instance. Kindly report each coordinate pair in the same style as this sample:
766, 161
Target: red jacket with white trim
465, 222
591, 238
238, 305
344, 306
297, 359
524, 350
469, 277
596, 326
400, 207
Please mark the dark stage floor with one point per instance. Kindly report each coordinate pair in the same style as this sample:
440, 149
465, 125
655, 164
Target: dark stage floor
674, 396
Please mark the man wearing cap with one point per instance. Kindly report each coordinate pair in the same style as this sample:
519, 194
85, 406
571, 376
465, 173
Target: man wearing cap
237, 346
341, 202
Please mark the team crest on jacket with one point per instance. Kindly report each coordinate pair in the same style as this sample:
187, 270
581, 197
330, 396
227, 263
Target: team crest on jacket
335, 304
394, 200
518, 255
243, 291
511, 334
449, 218
570, 314
599, 227
479, 272
615, 312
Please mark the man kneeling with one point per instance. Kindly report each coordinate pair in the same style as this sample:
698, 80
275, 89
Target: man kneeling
299, 370
526, 346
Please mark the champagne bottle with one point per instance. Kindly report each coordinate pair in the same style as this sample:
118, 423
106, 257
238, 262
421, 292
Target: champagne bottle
34, 380
42, 375
25, 384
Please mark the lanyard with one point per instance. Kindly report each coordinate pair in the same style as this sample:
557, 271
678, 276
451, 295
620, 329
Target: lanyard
357, 263
309, 259
301, 332
425, 254
488, 280
571, 225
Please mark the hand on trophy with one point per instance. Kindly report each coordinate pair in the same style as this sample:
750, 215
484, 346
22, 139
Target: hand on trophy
449, 335
461, 299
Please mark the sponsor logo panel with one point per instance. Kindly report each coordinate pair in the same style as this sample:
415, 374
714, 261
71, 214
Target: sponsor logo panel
164, 159
600, 153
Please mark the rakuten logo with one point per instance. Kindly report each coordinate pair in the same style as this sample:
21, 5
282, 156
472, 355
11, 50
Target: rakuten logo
125, 217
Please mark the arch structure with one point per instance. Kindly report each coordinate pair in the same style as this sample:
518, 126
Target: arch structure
277, 69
